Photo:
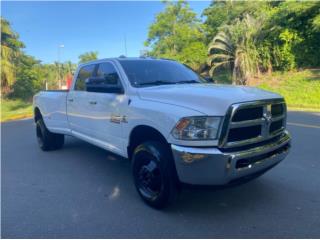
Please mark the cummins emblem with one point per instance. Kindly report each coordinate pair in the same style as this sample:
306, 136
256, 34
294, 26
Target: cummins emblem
115, 119
118, 119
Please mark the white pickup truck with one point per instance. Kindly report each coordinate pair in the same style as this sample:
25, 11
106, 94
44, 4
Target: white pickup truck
173, 125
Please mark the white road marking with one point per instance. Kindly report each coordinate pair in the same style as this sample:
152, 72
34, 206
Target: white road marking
303, 125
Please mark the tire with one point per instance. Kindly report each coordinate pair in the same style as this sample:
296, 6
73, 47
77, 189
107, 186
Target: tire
47, 140
154, 174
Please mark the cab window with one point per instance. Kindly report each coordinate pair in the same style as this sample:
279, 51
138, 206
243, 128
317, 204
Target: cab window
84, 73
108, 73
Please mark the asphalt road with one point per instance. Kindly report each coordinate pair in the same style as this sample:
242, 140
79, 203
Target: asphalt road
82, 191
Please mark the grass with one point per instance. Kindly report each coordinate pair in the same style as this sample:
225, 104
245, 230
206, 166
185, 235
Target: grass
301, 90
15, 109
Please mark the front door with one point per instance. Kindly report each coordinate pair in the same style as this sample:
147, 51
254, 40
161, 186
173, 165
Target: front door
107, 115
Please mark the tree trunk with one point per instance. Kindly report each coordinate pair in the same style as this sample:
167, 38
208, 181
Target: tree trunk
269, 68
234, 76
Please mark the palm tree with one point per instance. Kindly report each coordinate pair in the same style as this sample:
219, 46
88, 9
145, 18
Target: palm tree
234, 47
88, 56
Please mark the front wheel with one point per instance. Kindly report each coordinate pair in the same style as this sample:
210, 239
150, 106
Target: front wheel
154, 174
47, 140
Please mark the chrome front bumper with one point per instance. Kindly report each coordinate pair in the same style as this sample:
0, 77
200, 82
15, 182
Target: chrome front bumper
212, 166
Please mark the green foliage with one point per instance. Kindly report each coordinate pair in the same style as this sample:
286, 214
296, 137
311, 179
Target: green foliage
302, 19
193, 55
316, 22
285, 35
55, 72
88, 56
287, 58
32, 76
10, 51
29, 78
177, 34
265, 56
235, 47
8, 37
224, 12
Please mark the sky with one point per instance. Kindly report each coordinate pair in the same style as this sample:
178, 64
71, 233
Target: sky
84, 26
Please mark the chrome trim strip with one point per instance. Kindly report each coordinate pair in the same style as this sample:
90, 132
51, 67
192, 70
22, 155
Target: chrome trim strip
274, 119
284, 151
246, 123
263, 149
253, 140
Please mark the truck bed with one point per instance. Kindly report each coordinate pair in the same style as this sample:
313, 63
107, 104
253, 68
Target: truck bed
62, 90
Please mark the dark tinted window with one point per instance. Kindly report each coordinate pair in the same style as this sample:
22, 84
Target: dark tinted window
153, 72
105, 81
84, 73
108, 73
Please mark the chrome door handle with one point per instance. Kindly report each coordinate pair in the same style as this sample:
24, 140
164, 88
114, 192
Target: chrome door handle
93, 102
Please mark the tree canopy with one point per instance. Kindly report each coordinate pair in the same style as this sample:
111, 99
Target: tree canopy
177, 34
285, 36
10, 50
242, 37
221, 13
88, 56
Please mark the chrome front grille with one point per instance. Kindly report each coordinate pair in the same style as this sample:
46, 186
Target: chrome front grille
253, 122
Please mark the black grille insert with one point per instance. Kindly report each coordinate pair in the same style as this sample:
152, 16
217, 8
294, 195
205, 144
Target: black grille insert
253, 145
277, 109
275, 126
248, 114
239, 134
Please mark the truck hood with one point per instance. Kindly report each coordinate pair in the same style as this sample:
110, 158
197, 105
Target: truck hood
209, 99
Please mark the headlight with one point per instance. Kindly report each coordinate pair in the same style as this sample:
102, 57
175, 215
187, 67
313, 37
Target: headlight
197, 128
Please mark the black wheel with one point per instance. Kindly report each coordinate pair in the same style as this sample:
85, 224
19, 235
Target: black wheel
154, 174
46, 139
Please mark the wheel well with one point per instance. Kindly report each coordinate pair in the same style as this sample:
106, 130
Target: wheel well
141, 134
37, 114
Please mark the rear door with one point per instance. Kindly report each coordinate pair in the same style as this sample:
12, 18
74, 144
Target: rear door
78, 106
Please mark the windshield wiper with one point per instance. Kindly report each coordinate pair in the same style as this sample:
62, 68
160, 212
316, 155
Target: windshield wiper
159, 82
187, 81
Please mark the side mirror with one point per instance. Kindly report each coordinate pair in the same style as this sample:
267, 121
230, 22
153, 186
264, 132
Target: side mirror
103, 85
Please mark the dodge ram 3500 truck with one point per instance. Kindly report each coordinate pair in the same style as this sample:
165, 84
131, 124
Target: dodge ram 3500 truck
173, 125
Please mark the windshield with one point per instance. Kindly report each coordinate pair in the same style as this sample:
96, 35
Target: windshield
146, 72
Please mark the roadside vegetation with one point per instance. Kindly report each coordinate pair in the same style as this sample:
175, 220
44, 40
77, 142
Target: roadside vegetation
235, 42
300, 89
15, 109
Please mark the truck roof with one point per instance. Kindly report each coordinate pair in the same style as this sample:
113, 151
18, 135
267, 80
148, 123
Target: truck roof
122, 58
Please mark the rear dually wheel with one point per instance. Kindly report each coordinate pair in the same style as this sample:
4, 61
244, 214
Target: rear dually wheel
47, 140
